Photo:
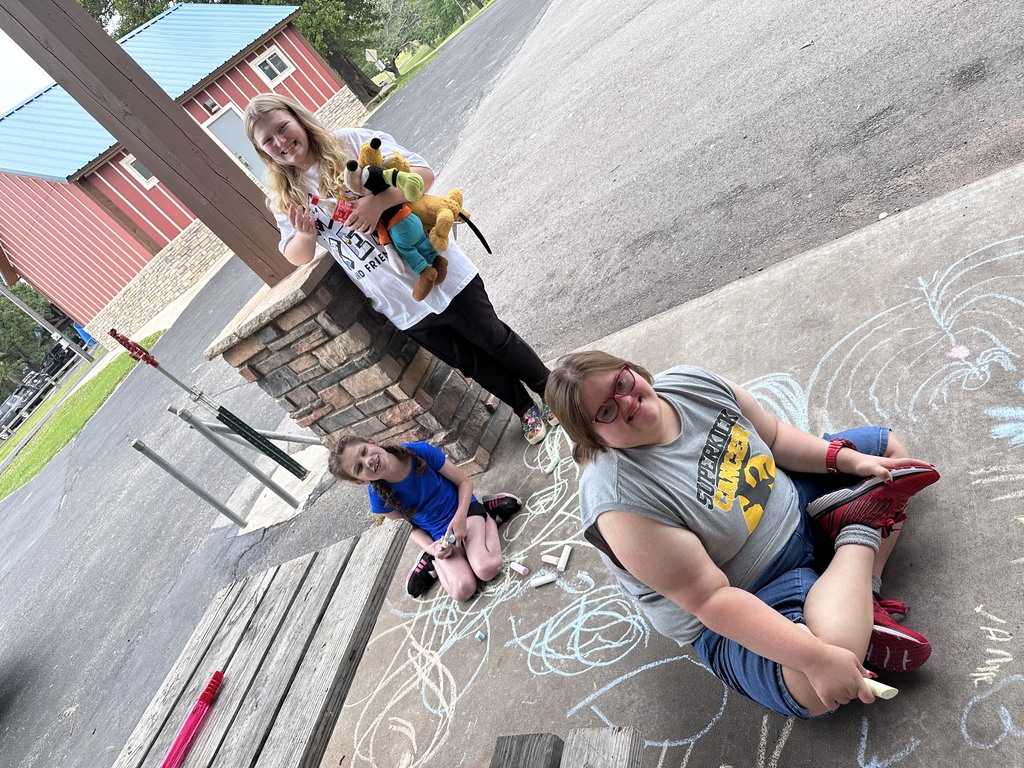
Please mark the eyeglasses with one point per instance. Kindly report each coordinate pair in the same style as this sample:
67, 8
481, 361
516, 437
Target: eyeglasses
623, 385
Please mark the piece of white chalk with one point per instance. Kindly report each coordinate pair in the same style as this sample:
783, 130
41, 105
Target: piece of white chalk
522, 570
540, 581
447, 541
564, 559
881, 690
481, 636
551, 559
553, 465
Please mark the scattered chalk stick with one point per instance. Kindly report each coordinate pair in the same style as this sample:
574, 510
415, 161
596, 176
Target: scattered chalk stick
550, 559
540, 581
481, 636
522, 570
881, 690
553, 465
564, 559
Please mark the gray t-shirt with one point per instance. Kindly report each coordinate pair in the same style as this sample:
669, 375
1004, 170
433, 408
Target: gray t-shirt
717, 479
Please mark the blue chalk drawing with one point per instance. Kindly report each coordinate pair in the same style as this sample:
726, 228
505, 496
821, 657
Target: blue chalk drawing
875, 762
954, 331
590, 702
1007, 692
1012, 422
599, 627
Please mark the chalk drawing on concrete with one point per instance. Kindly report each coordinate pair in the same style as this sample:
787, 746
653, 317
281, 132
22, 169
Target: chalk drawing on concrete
995, 715
706, 722
876, 762
953, 332
599, 626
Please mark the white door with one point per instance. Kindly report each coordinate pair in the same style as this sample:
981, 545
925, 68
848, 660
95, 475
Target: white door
226, 127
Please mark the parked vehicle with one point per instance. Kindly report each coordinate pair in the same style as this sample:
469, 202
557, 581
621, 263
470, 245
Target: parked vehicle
33, 389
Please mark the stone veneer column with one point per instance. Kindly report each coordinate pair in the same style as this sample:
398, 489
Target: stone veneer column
314, 344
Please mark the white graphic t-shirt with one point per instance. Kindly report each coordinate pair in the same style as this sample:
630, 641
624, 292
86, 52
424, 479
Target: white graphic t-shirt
366, 262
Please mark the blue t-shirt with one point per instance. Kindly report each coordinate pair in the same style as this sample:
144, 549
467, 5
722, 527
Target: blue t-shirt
434, 497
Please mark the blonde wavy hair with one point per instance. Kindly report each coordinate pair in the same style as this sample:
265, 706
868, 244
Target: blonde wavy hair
283, 180
564, 396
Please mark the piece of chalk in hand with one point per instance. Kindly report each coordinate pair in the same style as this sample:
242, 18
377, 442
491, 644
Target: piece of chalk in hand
447, 541
522, 570
881, 690
540, 581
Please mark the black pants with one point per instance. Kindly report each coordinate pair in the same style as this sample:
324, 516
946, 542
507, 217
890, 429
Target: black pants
469, 336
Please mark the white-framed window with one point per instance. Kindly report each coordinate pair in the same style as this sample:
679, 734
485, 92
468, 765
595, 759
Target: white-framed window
272, 65
142, 174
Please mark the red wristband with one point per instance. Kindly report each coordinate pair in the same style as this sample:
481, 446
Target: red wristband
833, 451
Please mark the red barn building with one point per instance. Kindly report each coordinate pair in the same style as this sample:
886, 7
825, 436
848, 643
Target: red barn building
89, 226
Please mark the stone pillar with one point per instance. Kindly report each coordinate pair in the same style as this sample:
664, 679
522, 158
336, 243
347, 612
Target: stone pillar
336, 366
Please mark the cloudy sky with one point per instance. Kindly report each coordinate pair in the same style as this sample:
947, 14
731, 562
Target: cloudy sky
22, 76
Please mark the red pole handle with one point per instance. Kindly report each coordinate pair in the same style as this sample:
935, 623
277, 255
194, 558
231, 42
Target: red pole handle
135, 350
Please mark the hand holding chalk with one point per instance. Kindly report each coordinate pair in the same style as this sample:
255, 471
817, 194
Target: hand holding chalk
881, 690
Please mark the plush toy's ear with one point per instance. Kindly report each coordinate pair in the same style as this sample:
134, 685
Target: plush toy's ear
370, 154
353, 179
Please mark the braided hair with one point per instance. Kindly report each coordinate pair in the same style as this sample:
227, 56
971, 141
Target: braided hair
382, 488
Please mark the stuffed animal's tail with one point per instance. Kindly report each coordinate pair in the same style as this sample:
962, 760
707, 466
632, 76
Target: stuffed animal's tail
476, 231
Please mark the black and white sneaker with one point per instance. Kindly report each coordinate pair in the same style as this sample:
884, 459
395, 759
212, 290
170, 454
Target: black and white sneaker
501, 506
422, 576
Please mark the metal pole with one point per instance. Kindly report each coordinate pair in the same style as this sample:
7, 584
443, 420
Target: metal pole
244, 463
221, 429
186, 481
54, 333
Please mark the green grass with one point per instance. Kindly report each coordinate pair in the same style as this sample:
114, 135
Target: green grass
411, 63
65, 422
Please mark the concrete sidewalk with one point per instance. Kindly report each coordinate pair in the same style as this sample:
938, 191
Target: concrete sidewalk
914, 322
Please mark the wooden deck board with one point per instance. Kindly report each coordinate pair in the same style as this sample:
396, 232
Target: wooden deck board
140, 743
288, 640
246, 662
259, 710
217, 656
314, 700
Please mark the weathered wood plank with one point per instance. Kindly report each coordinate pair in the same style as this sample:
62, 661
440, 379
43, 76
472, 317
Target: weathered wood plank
528, 750
310, 710
170, 691
217, 656
257, 713
267, 622
603, 748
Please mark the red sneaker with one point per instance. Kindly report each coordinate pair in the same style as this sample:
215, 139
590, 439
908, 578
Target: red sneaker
871, 502
894, 648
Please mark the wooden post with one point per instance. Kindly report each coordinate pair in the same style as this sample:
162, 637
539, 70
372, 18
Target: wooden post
100, 75
531, 750
585, 747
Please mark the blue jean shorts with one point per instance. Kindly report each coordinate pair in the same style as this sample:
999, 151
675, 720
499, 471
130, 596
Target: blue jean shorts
784, 585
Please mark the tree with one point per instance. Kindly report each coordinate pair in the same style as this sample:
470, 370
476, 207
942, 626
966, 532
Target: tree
401, 22
119, 17
440, 17
22, 341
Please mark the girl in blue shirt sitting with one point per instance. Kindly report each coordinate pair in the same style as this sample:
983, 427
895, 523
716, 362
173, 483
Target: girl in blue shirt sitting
416, 482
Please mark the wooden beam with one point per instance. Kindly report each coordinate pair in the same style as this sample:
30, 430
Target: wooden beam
7, 271
100, 75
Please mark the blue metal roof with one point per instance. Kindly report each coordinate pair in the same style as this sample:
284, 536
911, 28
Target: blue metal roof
50, 136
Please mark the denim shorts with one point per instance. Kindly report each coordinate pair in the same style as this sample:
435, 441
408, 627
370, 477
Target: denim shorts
784, 585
